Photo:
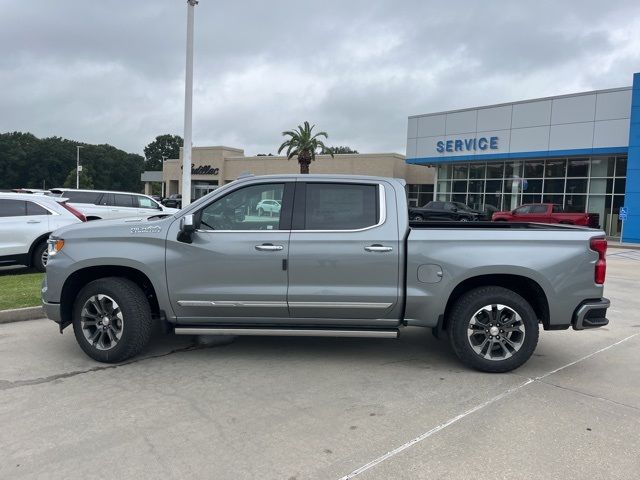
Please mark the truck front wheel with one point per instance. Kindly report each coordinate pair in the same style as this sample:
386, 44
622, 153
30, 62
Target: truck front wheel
493, 329
112, 319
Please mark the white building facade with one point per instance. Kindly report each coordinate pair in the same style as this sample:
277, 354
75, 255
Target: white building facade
573, 150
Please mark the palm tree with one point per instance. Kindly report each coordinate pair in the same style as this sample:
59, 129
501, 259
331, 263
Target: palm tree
304, 145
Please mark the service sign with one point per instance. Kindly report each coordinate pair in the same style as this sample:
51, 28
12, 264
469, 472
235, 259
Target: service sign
467, 144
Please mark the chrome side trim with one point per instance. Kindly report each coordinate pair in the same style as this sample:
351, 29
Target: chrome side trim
286, 332
228, 303
340, 305
239, 303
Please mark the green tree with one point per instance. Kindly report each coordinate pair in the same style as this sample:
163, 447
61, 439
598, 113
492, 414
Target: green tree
341, 150
85, 180
304, 145
30, 162
163, 147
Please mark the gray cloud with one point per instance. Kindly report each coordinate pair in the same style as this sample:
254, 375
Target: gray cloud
113, 71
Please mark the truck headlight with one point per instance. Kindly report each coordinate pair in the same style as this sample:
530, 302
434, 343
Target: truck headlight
54, 245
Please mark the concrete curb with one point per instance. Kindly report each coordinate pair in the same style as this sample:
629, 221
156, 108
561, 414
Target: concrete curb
624, 246
21, 314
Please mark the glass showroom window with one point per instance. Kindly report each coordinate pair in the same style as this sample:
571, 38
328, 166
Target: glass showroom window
419, 195
579, 184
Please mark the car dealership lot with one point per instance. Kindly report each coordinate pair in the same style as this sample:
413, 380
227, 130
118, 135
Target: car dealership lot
323, 408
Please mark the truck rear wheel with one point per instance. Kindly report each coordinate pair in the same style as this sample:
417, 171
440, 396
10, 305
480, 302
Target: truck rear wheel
493, 329
112, 319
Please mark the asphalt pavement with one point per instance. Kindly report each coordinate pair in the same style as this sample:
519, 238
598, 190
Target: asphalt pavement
299, 408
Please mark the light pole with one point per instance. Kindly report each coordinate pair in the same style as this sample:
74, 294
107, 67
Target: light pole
188, 103
78, 147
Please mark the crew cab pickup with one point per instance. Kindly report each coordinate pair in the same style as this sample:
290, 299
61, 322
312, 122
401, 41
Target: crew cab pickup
339, 258
547, 213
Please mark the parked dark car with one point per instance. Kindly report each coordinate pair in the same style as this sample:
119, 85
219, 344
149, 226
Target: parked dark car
173, 201
447, 211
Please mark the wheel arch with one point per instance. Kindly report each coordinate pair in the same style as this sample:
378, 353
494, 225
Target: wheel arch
526, 287
34, 244
78, 279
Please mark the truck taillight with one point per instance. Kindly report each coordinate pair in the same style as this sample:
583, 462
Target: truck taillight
600, 245
78, 214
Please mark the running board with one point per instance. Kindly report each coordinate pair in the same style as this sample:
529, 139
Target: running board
288, 332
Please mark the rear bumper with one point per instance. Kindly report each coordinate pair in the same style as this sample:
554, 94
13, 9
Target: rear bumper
591, 314
52, 311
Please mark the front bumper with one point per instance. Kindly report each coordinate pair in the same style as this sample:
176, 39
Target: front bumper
591, 314
52, 311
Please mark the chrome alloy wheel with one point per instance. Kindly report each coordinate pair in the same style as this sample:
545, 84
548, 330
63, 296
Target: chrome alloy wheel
45, 257
496, 332
101, 321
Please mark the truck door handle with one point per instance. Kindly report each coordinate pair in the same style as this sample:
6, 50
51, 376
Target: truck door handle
269, 247
34, 221
378, 248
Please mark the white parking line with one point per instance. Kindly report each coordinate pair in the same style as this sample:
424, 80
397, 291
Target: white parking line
455, 419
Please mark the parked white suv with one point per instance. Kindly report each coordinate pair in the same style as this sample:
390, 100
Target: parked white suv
26, 220
268, 206
101, 204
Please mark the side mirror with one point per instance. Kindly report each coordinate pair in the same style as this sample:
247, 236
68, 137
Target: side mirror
187, 228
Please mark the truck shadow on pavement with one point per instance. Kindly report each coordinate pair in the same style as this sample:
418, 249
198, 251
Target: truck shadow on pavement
416, 349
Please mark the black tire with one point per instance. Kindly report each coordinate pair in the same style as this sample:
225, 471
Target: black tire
37, 261
465, 309
136, 326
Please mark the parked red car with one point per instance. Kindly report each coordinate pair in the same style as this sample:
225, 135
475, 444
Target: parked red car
547, 213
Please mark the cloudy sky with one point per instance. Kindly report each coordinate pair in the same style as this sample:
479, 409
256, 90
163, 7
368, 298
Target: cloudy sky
103, 71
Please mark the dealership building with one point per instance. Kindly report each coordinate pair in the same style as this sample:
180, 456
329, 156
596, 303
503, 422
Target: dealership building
215, 166
581, 151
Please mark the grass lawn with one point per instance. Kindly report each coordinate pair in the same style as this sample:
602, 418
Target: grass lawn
17, 291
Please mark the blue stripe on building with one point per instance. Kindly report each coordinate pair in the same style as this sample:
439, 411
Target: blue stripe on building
538, 154
631, 232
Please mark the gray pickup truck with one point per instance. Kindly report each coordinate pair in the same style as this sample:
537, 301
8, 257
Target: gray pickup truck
338, 257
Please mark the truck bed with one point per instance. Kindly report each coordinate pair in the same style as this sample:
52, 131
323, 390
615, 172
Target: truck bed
492, 225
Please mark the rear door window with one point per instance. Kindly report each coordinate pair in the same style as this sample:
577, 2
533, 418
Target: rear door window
122, 200
12, 208
81, 197
340, 206
538, 209
35, 209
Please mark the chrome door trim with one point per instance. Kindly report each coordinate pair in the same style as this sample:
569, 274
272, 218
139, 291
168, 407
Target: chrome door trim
339, 305
228, 303
381, 221
238, 303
